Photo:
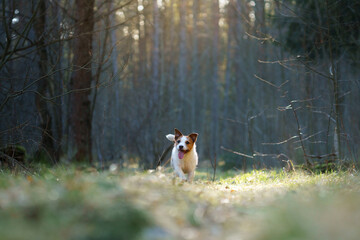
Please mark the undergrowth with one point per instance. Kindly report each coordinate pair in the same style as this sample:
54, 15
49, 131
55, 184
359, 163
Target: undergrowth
83, 203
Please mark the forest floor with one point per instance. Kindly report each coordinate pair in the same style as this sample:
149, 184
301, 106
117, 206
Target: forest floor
82, 203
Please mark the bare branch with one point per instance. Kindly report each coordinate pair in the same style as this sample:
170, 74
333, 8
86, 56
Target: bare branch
237, 153
282, 142
13, 160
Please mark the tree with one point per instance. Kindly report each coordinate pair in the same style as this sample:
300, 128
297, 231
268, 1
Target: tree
156, 52
182, 60
81, 79
324, 31
47, 144
215, 78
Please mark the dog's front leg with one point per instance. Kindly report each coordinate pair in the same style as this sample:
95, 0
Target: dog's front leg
179, 172
191, 176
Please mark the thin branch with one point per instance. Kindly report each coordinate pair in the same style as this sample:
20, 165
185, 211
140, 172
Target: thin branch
282, 142
214, 167
308, 164
237, 153
233, 120
163, 155
5, 58
305, 100
98, 17
267, 82
322, 156
13, 160
308, 137
314, 70
258, 154
37, 47
271, 84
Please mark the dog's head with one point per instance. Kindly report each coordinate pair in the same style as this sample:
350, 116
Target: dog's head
184, 144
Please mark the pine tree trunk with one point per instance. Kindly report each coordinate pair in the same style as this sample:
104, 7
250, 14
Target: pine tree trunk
182, 60
47, 145
195, 66
155, 53
81, 80
215, 90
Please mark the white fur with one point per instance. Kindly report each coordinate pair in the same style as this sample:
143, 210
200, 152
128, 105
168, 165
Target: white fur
188, 163
182, 143
171, 137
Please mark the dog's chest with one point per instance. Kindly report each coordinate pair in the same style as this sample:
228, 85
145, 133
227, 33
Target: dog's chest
188, 163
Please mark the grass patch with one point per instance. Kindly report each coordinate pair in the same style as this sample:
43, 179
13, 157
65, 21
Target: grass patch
82, 203
67, 205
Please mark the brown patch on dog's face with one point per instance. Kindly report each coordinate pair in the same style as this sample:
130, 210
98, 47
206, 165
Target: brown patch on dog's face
189, 142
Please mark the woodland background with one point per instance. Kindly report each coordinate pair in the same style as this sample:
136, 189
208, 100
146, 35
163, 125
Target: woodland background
103, 81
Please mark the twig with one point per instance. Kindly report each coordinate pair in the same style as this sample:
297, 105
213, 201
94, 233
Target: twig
322, 156
308, 137
326, 114
259, 154
290, 165
282, 142
348, 145
271, 84
237, 153
265, 81
214, 167
11, 160
232, 120
308, 164
163, 155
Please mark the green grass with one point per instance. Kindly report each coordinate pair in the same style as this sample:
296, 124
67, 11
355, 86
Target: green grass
82, 203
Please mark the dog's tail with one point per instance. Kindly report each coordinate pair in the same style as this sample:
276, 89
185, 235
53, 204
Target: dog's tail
171, 137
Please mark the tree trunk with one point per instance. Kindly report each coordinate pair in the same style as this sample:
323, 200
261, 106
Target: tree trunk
47, 145
56, 83
172, 54
81, 80
195, 66
182, 60
142, 48
117, 84
228, 72
155, 53
215, 90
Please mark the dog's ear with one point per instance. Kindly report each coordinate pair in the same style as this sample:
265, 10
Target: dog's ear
171, 137
177, 134
193, 136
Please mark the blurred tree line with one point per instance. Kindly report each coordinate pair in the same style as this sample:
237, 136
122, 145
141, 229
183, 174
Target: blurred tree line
102, 81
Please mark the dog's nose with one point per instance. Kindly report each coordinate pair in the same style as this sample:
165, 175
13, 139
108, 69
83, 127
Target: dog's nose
181, 147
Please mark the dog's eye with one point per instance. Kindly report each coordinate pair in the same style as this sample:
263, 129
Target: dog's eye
187, 142
178, 141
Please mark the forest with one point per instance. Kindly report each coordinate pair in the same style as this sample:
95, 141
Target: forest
105, 81
90, 88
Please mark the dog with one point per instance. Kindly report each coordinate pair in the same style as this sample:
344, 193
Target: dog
184, 157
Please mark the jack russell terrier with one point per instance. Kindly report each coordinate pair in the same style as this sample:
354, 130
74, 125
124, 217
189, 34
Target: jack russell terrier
184, 158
